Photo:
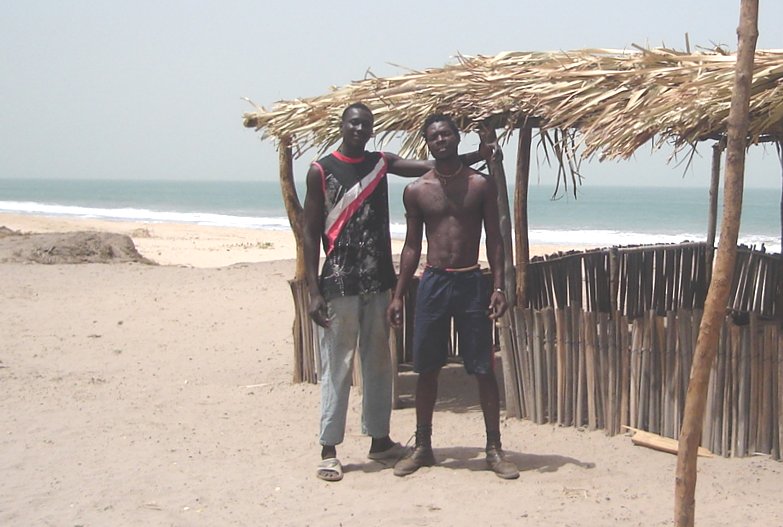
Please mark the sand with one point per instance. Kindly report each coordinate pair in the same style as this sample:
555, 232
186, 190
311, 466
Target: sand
137, 394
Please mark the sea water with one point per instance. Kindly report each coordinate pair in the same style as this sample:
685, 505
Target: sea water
599, 216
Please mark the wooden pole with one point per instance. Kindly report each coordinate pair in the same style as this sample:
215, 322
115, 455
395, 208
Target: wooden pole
304, 361
291, 201
718, 293
712, 220
780, 157
507, 326
521, 226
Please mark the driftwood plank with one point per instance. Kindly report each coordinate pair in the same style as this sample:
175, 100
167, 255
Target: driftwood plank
657, 442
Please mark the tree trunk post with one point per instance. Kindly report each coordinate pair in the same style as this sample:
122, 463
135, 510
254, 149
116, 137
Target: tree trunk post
291, 201
718, 293
305, 368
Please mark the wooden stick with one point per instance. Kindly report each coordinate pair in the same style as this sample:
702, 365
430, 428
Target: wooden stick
561, 329
590, 367
535, 352
712, 218
779, 338
551, 361
580, 380
509, 343
743, 402
623, 348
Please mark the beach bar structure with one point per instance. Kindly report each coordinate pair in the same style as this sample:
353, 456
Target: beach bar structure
602, 338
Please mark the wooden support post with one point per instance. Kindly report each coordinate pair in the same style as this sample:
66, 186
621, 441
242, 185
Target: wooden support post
507, 326
291, 201
780, 157
718, 294
305, 369
521, 230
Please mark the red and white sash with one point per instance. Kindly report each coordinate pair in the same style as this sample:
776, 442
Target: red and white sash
347, 206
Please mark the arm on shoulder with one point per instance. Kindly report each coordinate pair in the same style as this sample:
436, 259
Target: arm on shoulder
418, 167
407, 167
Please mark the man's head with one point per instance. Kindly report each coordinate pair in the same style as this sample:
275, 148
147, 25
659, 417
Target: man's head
356, 126
441, 134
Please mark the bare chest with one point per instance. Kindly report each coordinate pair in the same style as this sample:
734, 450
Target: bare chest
454, 199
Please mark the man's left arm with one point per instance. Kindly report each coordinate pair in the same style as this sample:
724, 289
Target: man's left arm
495, 252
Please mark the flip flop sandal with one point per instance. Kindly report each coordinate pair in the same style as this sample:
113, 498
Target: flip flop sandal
330, 469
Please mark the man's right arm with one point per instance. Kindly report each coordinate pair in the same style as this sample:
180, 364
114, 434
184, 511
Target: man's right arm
313, 228
418, 167
409, 259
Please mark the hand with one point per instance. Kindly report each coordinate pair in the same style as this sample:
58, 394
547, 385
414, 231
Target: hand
318, 311
497, 305
394, 313
489, 141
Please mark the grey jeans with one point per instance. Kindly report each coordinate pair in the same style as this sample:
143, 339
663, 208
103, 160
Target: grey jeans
355, 319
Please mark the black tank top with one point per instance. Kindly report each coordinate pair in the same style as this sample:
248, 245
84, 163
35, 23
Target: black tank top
357, 244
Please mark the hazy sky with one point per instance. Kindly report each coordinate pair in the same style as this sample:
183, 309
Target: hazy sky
142, 89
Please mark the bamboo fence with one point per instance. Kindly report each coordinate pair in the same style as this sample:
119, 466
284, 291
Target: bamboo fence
608, 337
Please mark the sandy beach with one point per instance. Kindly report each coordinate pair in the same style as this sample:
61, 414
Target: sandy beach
137, 394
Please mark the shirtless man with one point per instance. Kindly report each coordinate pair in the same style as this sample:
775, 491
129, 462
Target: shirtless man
451, 202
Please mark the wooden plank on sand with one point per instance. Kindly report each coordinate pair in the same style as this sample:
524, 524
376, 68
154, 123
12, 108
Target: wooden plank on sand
657, 442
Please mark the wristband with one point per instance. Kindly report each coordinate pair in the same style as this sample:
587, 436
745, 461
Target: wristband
499, 290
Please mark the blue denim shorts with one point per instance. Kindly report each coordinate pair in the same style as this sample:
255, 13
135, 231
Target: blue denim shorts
463, 296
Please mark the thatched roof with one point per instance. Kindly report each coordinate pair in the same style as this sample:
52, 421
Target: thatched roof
605, 102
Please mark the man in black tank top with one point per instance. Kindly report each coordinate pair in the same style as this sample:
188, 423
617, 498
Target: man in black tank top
347, 211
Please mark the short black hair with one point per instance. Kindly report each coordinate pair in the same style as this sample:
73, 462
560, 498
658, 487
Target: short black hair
357, 106
437, 118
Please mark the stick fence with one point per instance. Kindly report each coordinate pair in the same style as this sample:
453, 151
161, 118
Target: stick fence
608, 338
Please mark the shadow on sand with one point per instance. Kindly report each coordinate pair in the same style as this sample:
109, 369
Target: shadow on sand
458, 393
472, 458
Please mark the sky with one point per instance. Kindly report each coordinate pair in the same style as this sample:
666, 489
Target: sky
154, 89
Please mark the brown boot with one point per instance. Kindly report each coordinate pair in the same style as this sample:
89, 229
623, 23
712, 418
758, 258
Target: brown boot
422, 456
497, 463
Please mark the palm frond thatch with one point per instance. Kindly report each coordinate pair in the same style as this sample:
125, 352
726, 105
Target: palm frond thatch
606, 102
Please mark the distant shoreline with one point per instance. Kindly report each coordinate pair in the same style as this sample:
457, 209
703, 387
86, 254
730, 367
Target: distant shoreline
602, 216
195, 245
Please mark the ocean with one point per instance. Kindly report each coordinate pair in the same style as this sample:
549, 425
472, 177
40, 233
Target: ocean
601, 216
